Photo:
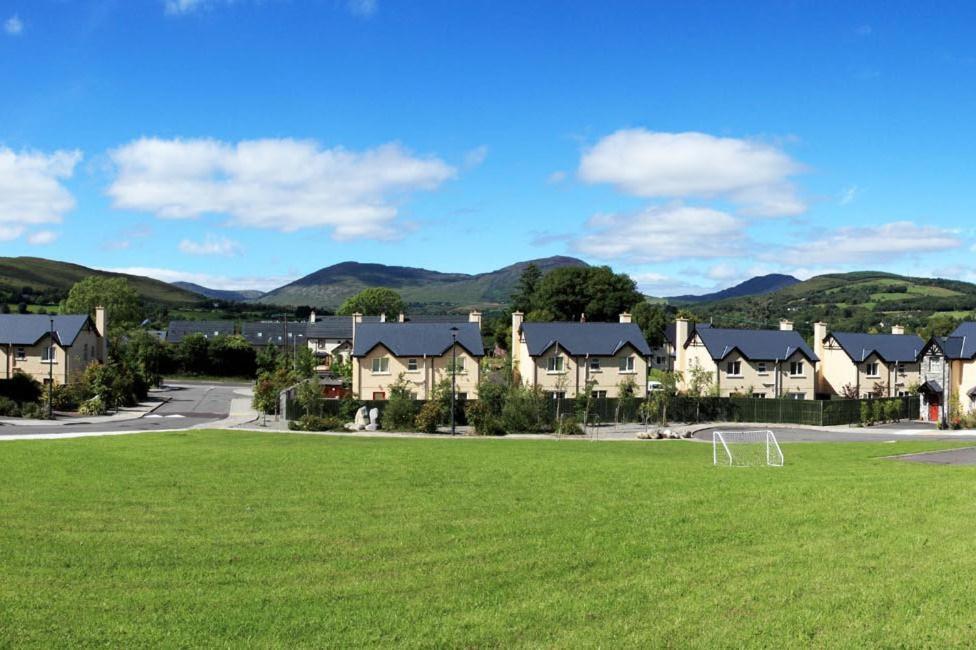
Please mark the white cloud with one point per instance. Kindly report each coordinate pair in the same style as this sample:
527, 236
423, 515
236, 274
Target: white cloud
873, 243
364, 8
660, 284
13, 25
721, 272
475, 157
181, 7
31, 191
556, 177
848, 195
663, 233
42, 237
750, 174
211, 245
261, 283
282, 184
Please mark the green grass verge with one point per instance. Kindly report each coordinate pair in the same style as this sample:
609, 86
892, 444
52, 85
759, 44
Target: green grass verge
230, 539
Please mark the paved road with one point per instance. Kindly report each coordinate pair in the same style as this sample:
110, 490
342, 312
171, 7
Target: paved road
190, 405
965, 456
911, 431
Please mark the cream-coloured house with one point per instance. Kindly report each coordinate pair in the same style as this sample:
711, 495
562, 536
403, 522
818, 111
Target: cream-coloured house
866, 364
564, 358
425, 353
948, 370
756, 363
26, 345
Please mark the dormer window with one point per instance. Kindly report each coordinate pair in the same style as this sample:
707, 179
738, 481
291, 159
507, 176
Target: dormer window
554, 364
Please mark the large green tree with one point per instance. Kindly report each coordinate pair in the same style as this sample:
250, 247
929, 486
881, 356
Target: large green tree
121, 301
373, 302
596, 291
524, 298
652, 319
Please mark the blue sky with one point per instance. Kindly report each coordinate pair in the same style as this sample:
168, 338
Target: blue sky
243, 143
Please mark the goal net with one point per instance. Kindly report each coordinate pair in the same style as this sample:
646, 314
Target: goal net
746, 449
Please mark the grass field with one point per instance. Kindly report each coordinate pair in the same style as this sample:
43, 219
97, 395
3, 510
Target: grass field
228, 539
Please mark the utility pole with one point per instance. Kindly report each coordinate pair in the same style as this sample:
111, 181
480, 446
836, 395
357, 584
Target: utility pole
454, 333
50, 374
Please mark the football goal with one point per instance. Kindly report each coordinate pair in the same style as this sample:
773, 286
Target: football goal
746, 449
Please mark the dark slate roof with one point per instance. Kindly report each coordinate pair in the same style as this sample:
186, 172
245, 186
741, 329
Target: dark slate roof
892, 348
259, 333
930, 386
334, 327
28, 329
580, 339
438, 318
756, 345
178, 329
953, 347
416, 339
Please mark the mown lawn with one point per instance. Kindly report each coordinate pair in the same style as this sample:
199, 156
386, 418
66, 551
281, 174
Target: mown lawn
227, 539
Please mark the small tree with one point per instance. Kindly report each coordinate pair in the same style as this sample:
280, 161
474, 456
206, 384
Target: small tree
268, 359
849, 392
626, 398
400, 412
700, 384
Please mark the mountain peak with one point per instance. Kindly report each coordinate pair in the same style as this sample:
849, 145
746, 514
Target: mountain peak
754, 286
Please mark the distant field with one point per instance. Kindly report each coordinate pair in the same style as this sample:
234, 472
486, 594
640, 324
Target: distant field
35, 309
238, 539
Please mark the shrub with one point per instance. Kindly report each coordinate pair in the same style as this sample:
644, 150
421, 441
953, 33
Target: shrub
892, 410
9, 408
525, 411
20, 388
94, 406
485, 420
866, 415
430, 416
570, 427
33, 411
316, 423
401, 410
877, 410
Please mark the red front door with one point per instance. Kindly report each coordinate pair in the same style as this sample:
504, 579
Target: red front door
934, 411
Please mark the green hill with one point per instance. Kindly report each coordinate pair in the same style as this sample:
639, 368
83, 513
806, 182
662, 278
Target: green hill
52, 280
422, 289
860, 301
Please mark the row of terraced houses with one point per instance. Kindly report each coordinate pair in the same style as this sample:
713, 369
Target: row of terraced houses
563, 359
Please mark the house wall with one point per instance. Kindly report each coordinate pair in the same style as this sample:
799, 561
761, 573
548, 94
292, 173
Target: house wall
967, 381
934, 368
69, 362
837, 370
577, 372
429, 371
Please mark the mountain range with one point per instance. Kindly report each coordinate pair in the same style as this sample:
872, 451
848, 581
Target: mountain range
220, 294
756, 286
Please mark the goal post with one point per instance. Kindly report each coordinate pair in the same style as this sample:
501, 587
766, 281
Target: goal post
746, 449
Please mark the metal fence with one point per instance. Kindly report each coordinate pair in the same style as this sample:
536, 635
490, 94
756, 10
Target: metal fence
679, 409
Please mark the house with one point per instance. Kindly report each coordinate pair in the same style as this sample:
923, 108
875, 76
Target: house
564, 358
283, 334
424, 353
664, 357
948, 372
177, 330
329, 337
757, 363
52, 347
867, 365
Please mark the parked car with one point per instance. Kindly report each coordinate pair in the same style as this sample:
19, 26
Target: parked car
654, 386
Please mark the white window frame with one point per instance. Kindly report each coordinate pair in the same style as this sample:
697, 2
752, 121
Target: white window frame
412, 365
733, 368
599, 394
761, 368
595, 364
20, 354
555, 365
872, 365
796, 369
49, 354
383, 365
627, 365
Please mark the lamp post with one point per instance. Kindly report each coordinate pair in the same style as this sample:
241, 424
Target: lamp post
50, 374
454, 333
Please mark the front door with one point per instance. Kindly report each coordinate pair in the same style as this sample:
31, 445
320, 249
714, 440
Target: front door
933, 409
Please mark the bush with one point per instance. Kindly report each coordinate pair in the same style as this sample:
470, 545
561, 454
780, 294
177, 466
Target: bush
866, 414
430, 416
20, 388
570, 427
94, 406
892, 410
9, 408
877, 411
526, 411
400, 411
482, 416
316, 423
33, 411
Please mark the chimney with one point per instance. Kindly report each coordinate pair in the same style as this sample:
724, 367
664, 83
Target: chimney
819, 334
401, 317
517, 318
357, 318
475, 317
681, 329
101, 323
311, 316
897, 329
583, 318
625, 317
786, 325
382, 318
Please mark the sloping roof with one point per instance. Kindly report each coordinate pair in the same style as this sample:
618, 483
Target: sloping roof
260, 333
671, 332
178, 329
892, 348
580, 339
931, 386
756, 345
334, 327
28, 329
953, 347
966, 333
416, 339
438, 318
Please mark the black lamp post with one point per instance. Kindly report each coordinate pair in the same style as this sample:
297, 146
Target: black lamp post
50, 375
454, 333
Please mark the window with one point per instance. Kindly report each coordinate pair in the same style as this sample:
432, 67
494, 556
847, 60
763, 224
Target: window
462, 397
599, 394
21, 354
595, 364
872, 369
759, 395
459, 365
554, 364
627, 364
411, 365
84, 353
733, 368
48, 355
761, 367
557, 394
659, 361
381, 366
934, 363
379, 396
796, 369
797, 396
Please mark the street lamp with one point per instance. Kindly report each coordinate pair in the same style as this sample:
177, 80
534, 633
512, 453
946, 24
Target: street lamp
454, 333
50, 374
